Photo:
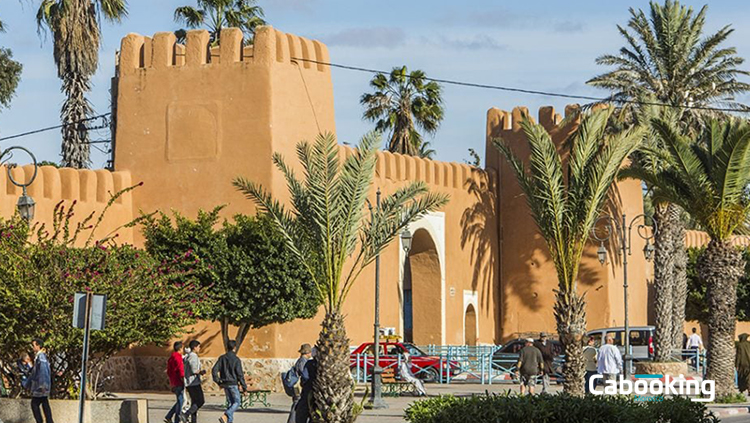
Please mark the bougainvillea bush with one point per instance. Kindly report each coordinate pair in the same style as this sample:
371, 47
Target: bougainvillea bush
149, 301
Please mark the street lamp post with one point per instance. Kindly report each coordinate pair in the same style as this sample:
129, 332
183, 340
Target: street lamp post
376, 397
25, 204
623, 230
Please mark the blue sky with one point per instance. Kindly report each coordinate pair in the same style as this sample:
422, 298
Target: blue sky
530, 44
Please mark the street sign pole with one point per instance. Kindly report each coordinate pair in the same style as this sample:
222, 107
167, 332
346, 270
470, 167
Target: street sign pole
85, 358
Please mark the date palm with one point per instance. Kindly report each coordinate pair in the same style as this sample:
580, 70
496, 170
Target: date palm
218, 14
708, 177
75, 29
667, 59
334, 238
670, 258
565, 197
10, 74
404, 103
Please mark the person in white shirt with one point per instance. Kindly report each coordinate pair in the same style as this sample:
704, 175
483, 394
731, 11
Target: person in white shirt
695, 342
609, 360
404, 370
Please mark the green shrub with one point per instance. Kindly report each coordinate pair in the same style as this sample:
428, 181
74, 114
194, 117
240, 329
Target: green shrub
562, 408
731, 399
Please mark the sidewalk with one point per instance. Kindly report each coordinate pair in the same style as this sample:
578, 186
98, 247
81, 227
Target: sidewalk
280, 403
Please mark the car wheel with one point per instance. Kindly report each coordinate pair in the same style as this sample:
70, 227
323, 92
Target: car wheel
430, 375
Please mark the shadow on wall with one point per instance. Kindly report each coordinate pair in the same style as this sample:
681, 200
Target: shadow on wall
479, 230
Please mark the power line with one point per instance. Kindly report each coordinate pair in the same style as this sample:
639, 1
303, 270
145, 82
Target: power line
50, 128
527, 91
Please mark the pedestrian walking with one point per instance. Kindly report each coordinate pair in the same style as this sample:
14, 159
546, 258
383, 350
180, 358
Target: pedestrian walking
39, 383
530, 365
176, 375
589, 358
742, 362
548, 354
307, 379
695, 343
228, 374
305, 354
24, 367
404, 370
193, 373
609, 360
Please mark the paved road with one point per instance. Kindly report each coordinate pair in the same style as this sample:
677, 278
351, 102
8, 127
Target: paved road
280, 403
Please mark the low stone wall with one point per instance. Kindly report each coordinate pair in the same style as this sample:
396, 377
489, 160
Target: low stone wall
65, 411
149, 373
652, 368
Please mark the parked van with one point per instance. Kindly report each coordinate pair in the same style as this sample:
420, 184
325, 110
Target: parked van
641, 340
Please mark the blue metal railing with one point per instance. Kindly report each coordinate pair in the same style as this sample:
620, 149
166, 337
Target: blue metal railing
481, 364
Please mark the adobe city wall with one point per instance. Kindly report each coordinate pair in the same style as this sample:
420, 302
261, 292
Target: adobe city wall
190, 118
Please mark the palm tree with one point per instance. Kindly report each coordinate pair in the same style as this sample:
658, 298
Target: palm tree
667, 60
10, 74
670, 258
565, 200
708, 177
401, 103
75, 29
335, 240
218, 14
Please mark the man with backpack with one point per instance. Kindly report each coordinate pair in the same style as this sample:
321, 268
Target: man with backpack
228, 374
291, 378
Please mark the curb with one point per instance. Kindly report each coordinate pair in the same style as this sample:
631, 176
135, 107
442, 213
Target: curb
729, 411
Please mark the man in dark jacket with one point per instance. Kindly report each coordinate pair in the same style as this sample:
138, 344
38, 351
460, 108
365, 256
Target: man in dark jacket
39, 383
305, 354
548, 354
228, 374
307, 379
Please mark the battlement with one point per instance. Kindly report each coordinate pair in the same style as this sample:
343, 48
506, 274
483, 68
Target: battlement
500, 120
85, 186
399, 167
160, 52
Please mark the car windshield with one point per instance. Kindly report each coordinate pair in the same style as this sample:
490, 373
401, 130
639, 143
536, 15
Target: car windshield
414, 351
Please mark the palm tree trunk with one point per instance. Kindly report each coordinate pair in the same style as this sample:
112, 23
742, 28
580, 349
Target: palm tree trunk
76, 149
570, 315
333, 393
666, 223
680, 286
720, 267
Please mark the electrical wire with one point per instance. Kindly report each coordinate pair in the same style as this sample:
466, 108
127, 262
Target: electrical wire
528, 91
50, 128
447, 82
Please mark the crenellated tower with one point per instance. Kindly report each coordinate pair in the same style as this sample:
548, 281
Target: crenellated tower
191, 117
527, 274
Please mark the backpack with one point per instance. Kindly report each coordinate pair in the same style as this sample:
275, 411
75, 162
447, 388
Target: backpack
289, 379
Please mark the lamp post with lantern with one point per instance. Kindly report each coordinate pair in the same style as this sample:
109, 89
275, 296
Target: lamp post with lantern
376, 396
621, 230
25, 204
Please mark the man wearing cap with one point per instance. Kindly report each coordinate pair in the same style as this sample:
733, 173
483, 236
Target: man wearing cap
529, 366
548, 354
305, 353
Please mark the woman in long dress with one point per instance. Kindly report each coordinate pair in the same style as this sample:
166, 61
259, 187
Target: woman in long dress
404, 370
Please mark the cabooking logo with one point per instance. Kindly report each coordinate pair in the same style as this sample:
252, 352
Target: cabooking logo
655, 387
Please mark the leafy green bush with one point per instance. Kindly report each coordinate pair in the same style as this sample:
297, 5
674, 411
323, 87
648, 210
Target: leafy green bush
149, 301
251, 275
562, 408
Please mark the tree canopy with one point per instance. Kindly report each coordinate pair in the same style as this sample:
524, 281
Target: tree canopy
246, 267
